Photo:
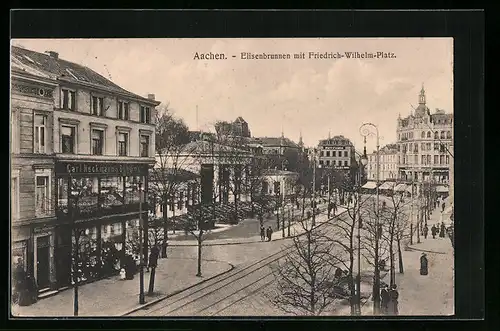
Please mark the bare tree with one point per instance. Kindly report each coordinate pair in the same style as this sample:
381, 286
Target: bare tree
394, 222
172, 155
305, 277
374, 249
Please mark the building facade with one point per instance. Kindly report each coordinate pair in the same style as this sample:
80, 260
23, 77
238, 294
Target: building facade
388, 162
337, 153
425, 142
94, 143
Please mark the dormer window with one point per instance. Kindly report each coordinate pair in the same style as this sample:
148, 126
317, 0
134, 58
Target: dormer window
97, 106
68, 99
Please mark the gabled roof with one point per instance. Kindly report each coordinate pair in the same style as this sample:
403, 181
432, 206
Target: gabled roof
172, 174
336, 141
59, 69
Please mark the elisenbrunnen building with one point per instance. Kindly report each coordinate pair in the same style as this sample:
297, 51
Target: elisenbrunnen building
81, 149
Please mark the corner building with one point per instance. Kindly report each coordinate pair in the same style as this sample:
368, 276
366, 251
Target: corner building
425, 144
100, 141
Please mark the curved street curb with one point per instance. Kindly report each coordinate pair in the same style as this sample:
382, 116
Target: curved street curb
252, 241
147, 304
424, 250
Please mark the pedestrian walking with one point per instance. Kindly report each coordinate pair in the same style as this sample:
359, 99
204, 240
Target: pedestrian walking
434, 231
442, 232
442, 207
269, 233
426, 231
262, 233
424, 265
334, 208
384, 298
393, 300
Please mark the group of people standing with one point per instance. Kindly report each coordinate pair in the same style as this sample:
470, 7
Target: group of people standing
435, 230
389, 300
266, 234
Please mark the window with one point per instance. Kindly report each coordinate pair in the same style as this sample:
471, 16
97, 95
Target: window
442, 135
448, 134
423, 159
144, 145
328, 153
68, 99
39, 143
429, 146
97, 106
422, 135
334, 153
321, 162
327, 162
345, 153
322, 153
436, 135
441, 159
97, 142
428, 159
423, 146
436, 159
42, 196
447, 159
428, 134
14, 139
345, 164
416, 148
68, 139
145, 115
14, 196
123, 110
122, 144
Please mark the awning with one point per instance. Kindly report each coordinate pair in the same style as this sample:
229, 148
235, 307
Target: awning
400, 188
369, 185
386, 186
442, 189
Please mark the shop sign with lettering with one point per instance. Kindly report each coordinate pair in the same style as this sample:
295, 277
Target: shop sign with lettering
87, 168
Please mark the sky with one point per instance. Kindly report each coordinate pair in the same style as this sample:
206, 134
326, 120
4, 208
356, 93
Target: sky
314, 97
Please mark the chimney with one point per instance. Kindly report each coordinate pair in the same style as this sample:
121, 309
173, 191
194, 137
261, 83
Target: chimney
53, 54
151, 96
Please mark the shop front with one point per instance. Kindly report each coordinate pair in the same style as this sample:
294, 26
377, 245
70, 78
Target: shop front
98, 215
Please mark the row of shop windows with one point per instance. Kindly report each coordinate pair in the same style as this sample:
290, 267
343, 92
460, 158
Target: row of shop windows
426, 134
413, 147
334, 153
92, 193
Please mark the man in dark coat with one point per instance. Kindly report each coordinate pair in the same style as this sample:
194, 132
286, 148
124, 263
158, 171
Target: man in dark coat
262, 233
426, 231
384, 299
424, 265
393, 300
434, 231
269, 233
442, 207
442, 232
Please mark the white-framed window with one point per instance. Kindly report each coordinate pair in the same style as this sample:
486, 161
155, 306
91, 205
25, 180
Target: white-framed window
68, 139
123, 110
145, 114
144, 145
97, 106
14, 131
68, 99
42, 192
97, 142
122, 143
14, 195
40, 133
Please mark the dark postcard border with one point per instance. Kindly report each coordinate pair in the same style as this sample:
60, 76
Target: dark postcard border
467, 29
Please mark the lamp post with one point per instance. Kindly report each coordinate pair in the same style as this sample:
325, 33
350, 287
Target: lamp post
366, 130
364, 162
141, 249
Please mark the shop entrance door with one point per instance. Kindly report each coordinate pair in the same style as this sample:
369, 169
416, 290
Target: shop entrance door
43, 262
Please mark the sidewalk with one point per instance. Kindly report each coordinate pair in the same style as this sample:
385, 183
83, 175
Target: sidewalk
295, 229
115, 297
432, 294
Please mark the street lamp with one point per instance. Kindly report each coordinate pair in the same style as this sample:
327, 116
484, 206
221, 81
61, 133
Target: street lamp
364, 162
366, 129
141, 249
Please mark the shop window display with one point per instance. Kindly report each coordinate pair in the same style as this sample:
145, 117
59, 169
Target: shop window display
111, 192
